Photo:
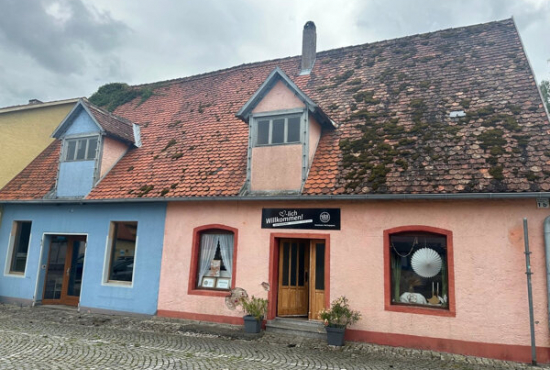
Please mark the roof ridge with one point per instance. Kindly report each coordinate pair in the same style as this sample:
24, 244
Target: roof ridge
386, 41
320, 53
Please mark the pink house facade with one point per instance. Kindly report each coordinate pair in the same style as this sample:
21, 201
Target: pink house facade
488, 308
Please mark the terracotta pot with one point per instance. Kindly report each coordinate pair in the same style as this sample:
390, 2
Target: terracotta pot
335, 336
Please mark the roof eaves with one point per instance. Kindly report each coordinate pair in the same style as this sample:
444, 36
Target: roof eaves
340, 197
15, 108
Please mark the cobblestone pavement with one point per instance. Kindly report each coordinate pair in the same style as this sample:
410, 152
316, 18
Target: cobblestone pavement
54, 338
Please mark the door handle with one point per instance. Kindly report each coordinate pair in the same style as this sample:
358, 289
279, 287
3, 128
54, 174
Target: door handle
68, 271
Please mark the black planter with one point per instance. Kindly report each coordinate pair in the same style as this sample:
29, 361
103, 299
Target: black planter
251, 325
335, 336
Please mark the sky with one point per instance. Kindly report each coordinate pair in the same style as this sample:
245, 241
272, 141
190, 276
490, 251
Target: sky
61, 49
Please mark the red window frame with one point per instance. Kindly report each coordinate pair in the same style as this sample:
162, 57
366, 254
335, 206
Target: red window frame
451, 311
195, 255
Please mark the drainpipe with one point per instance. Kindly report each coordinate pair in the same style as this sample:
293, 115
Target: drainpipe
547, 254
530, 293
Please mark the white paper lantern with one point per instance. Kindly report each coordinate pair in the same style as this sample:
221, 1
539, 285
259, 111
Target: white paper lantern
426, 262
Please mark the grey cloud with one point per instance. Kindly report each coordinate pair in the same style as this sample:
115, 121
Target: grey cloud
59, 46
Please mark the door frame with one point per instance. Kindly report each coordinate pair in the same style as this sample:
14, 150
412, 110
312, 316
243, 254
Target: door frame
274, 267
44, 262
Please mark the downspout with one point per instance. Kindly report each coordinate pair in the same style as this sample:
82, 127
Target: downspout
547, 255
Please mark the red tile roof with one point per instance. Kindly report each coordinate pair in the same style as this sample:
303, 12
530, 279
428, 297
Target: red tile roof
392, 101
115, 126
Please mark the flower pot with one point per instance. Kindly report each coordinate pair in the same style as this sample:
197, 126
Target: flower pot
251, 325
335, 336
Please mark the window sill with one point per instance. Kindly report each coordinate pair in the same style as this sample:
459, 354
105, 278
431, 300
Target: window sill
209, 292
119, 284
277, 144
15, 274
420, 310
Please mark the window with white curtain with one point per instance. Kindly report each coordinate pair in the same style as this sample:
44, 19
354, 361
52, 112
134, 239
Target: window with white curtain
215, 261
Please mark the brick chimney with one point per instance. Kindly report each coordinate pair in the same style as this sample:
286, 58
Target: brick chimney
309, 46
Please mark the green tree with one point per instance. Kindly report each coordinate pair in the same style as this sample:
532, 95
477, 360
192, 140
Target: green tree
545, 89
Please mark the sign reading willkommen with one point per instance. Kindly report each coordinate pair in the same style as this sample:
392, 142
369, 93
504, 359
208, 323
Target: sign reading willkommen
301, 218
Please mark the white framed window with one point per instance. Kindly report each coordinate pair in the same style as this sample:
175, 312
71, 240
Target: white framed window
80, 149
19, 246
275, 130
121, 251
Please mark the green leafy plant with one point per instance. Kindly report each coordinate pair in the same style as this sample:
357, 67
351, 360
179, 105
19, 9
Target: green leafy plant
256, 307
340, 315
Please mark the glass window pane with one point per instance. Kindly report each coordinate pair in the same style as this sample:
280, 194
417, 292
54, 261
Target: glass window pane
71, 148
263, 132
320, 266
301, 264
92, 147
293, 263
77, 266
215, 263
286, 247
81, 149
278, 134
56, 268
21, 239
413, 283
122, 251
293, 129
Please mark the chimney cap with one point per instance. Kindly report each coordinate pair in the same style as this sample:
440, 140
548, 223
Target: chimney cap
35, 101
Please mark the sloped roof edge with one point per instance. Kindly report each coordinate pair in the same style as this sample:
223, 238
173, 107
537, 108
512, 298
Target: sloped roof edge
278, 75
62, 127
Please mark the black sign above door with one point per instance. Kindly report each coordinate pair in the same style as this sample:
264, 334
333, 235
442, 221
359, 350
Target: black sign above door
301, 218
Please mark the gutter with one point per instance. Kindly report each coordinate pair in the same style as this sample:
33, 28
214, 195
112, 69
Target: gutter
312, 198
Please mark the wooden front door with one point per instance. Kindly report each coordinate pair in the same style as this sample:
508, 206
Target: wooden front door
301, 290
64, 270
293, 294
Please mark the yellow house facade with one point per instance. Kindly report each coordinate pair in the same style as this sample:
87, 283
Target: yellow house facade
25, 132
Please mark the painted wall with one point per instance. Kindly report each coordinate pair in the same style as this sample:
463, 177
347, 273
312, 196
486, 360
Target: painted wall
24, 134
94, 221
82, 124
314, 137
277, 167
489, 268
113, 151
76, 179
279, 97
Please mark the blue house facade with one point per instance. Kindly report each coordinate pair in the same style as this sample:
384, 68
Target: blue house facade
79, 255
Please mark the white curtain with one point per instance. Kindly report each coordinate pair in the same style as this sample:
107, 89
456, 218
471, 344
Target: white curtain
226, 250
209, 244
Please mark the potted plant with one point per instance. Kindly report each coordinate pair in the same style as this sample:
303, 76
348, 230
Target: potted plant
337, 318
255, 310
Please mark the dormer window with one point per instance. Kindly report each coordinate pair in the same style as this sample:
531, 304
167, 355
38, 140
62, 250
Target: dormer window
81, 149
278, 130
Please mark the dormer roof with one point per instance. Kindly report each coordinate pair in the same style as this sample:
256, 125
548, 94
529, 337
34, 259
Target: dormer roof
275, 76
109, 124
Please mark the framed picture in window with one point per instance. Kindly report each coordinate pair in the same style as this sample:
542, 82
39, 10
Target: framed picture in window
215, 267
223, 283
208, 282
